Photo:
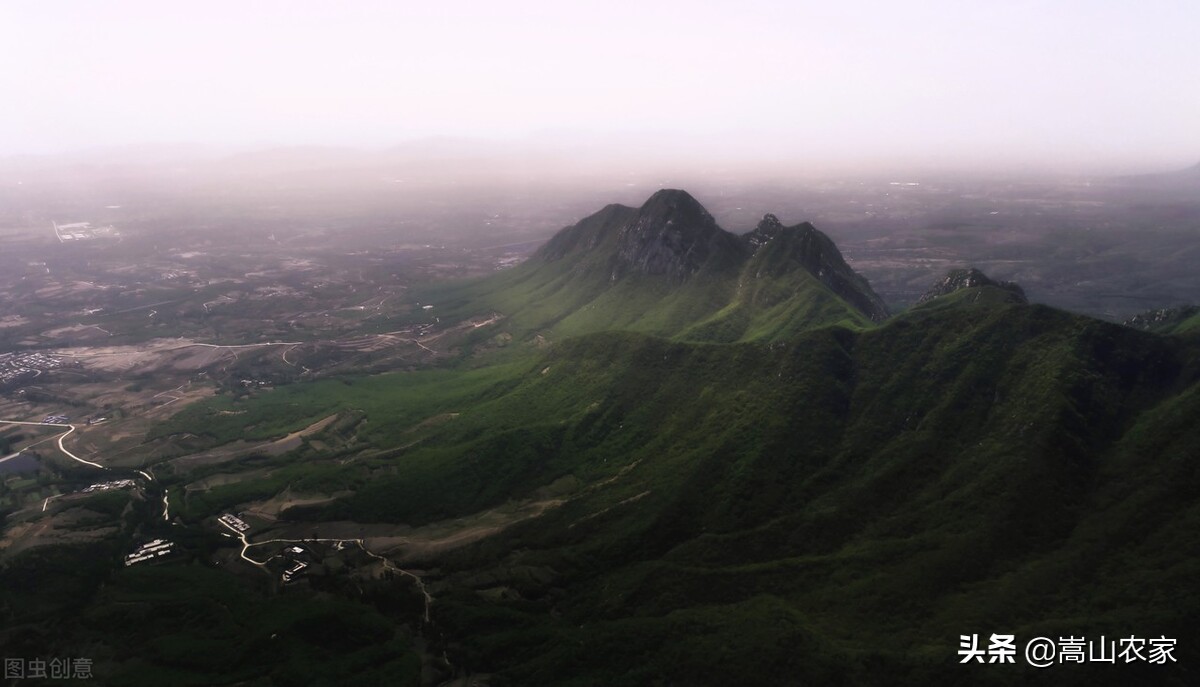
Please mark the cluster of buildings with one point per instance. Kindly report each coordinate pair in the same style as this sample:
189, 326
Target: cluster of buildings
106, 486
82, 231
293, 553
233, 522
291, 573
156, 548
17, 367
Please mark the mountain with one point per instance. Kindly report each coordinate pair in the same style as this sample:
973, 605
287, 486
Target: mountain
971, 278
1177, 320
671, 235
721, 473
777, 250
836, 507
668, 269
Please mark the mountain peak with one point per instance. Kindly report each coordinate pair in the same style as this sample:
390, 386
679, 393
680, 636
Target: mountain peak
777, 249
967, 278
671, 238
673, 235
672, 204
769, 222
676, 194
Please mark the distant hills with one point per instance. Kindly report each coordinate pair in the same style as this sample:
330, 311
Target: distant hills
1186, 177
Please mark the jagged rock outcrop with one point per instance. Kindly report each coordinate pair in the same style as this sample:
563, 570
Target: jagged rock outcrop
970, 278
672, 234
1162, 319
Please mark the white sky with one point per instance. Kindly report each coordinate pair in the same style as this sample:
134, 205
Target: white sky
1089, 82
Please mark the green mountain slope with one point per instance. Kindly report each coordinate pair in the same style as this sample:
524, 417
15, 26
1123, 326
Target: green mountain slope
846, 505
668, 269
724, 487
833, 508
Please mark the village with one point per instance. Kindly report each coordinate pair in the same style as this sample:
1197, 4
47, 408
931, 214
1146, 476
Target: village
20, 366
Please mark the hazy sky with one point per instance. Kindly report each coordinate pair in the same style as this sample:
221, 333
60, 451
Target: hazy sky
1094, 82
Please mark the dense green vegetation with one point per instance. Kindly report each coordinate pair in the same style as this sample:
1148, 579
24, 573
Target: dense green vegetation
839, 504
742, 480
192, 625
986, 467
615, 270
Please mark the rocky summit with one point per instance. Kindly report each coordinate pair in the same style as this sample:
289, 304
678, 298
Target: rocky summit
668, 268
970, 278
673, 235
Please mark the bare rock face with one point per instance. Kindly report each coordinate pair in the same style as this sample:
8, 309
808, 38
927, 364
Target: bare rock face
970, 278
672, 235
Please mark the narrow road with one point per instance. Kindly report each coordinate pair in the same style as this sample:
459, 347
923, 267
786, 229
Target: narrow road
245, 546
71, 428
253, 345
14, 455
177, 347
387, 563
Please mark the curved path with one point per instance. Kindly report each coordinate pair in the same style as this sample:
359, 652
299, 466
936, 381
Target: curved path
387, 563
70, 428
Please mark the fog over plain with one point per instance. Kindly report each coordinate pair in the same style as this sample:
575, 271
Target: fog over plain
1066, 86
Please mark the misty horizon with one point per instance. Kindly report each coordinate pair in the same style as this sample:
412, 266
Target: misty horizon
530, 159
1072, 88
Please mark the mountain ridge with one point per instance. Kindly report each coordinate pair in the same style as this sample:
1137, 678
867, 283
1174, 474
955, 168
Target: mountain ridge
955, 465
669, 269
969, 278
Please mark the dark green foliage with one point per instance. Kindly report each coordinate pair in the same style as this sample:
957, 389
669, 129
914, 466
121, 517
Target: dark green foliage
834, 506
193, 625
52, 580
977, 468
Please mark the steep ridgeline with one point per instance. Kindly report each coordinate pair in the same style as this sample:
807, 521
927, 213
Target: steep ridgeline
957, 280
668, 269
777, 250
